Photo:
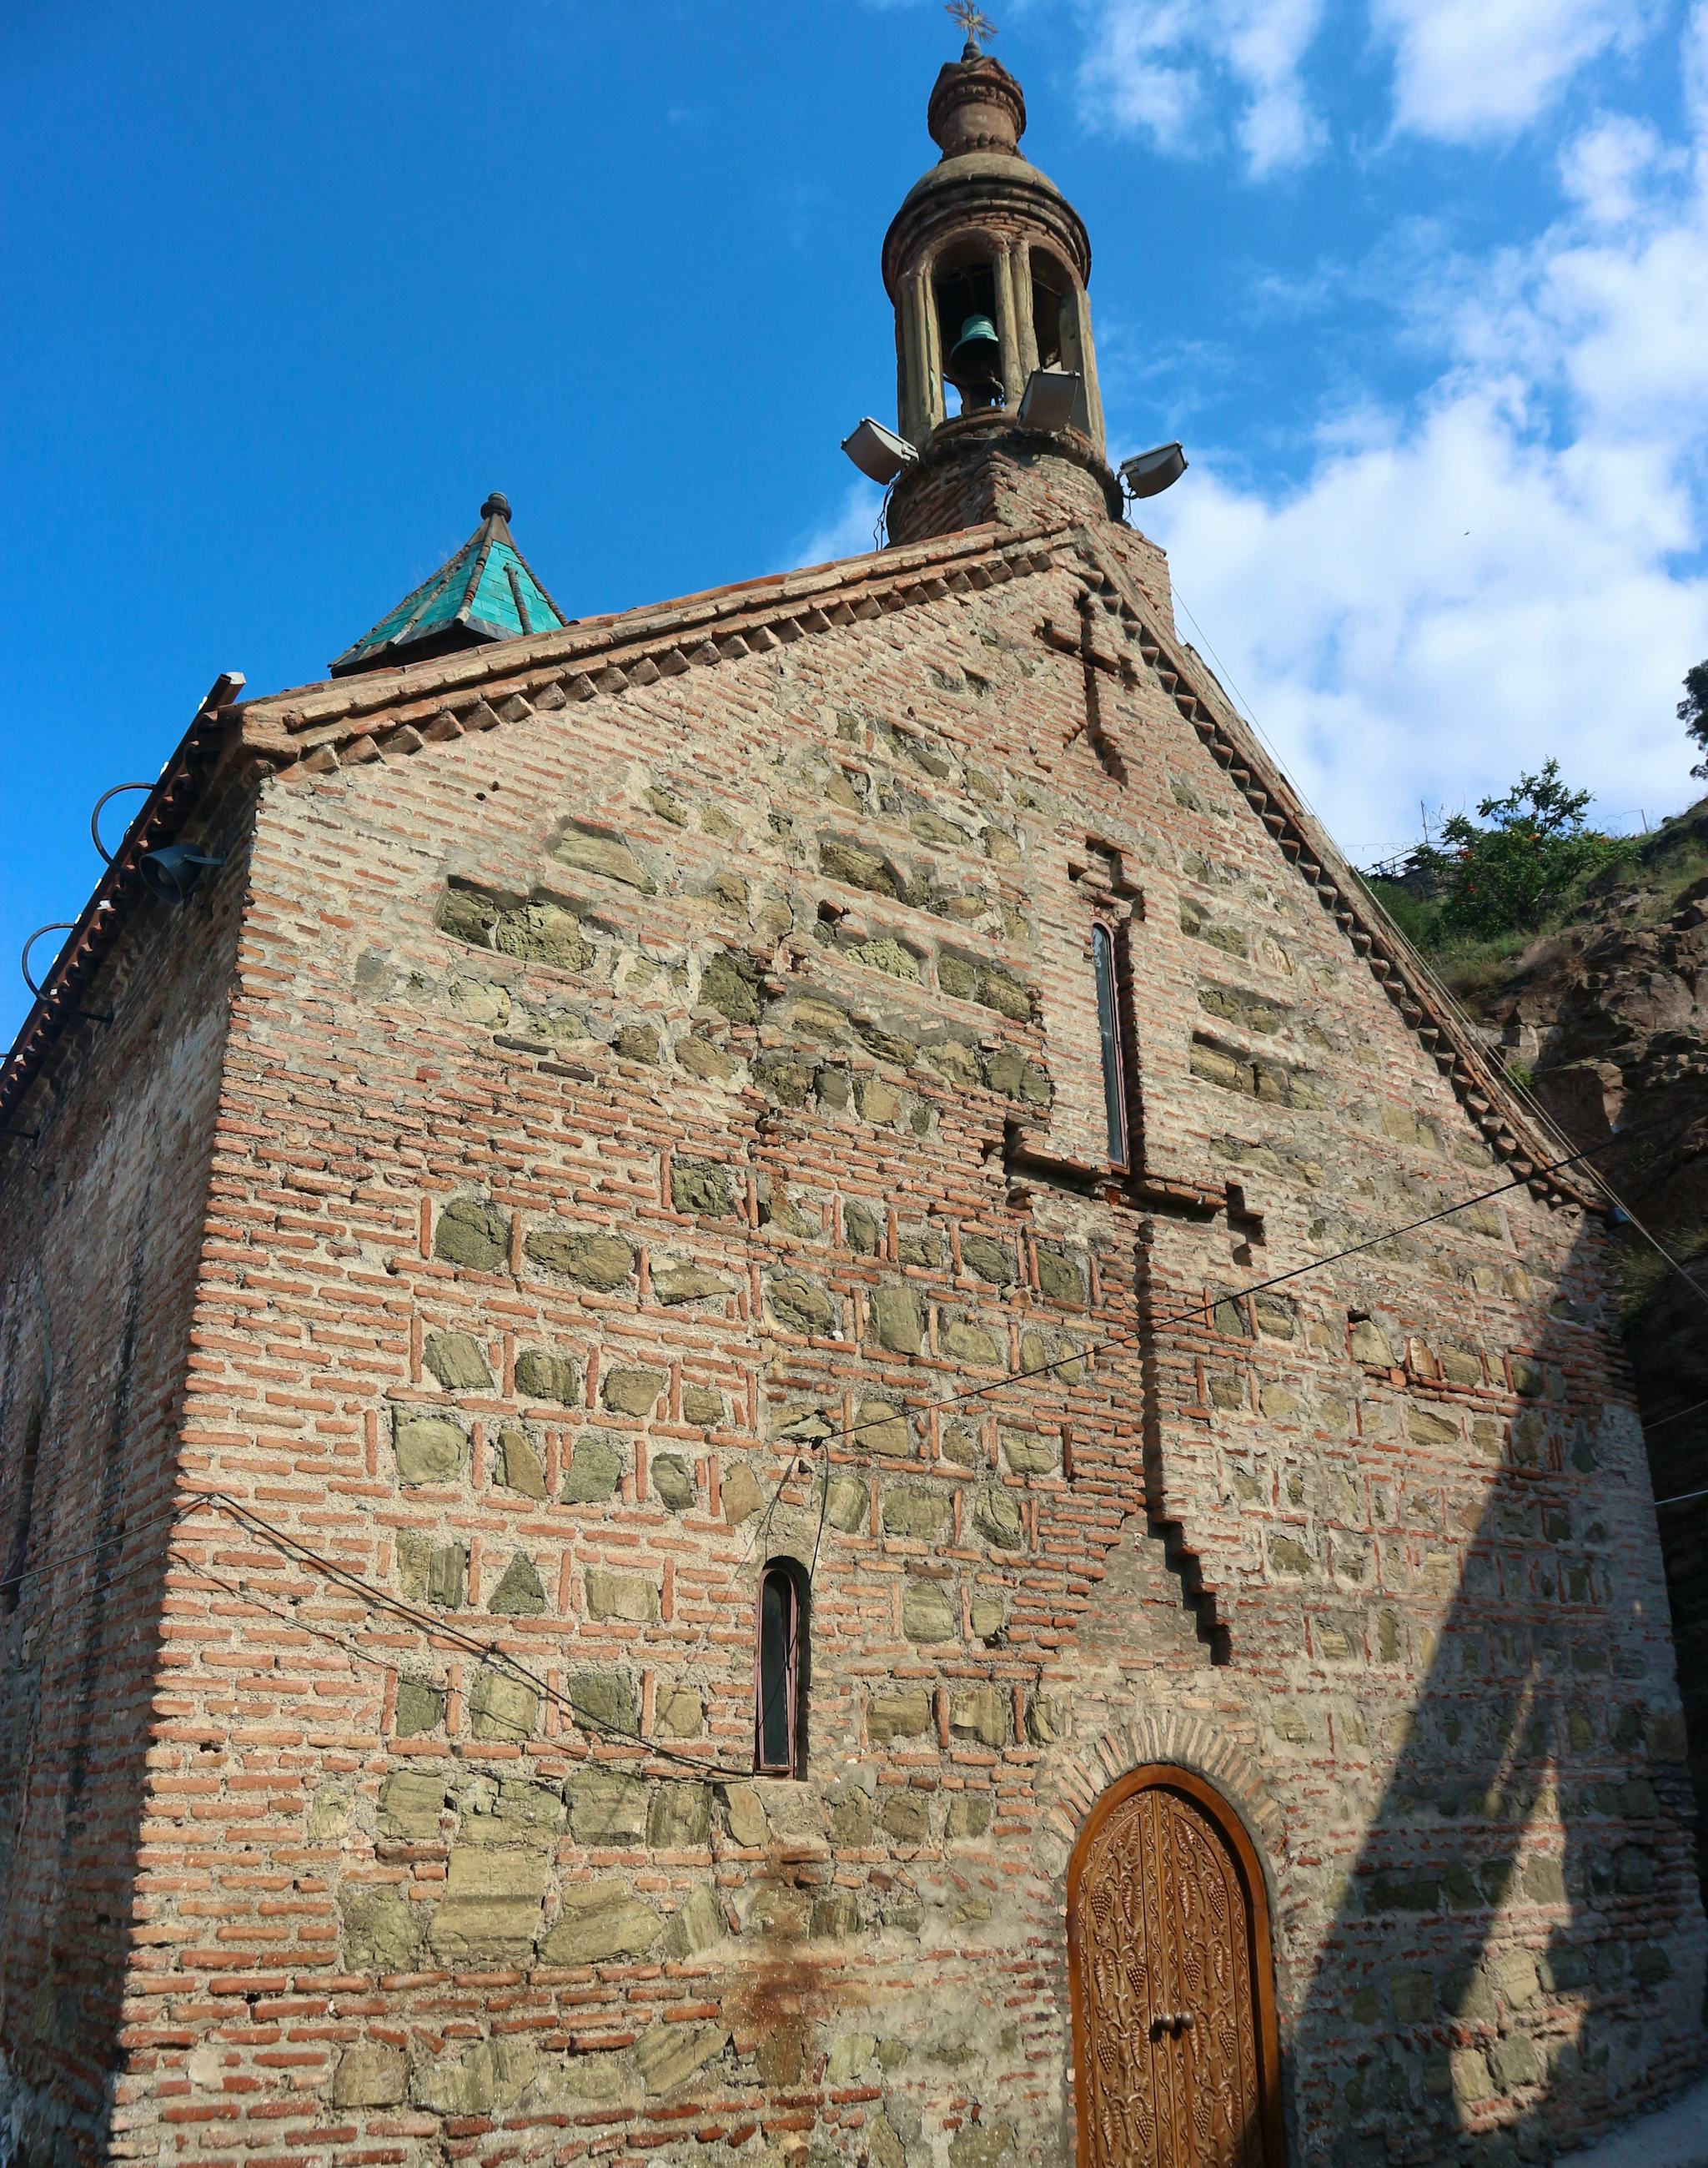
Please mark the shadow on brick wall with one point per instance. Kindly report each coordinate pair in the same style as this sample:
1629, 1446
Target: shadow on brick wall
1516, 1958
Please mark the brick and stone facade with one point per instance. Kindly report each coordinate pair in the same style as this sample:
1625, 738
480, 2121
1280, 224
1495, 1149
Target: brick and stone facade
629, 1106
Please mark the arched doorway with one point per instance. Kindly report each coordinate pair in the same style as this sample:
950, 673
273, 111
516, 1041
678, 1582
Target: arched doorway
1176, 2060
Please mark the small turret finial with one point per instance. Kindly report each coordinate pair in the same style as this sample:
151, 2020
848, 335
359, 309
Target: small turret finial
496, 506
979, 26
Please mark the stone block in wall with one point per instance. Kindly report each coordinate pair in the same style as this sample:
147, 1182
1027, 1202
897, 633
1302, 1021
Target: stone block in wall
862, 1228
705, 1191
882, 1427
667, 2056
477, 2080
370, 2075
541, 1375
997, 1517
455, 1359
991, 1260
604, 1698
982, 2145
906, 1818
1026, 1454
502, 1707
922, 1512
905, 1715
742, 1496
419, 1708
697, 1925
679, 1818
701, 1058
520, 1468
673, 1482
594, 1474
474, 1234
620, 1596
898, 1319
631, 1392
520, 1593
603, 1263
969, 1817
411, 1804
846, 1506
676, 1282
597, 1921
542, 934
598, 852
985, 1714
928, 1612
428, 1449
702, 1404
467, 915
606, 1807
680, 1713
836, 1917
798, 1302
447, 1575
1060, 1278
381, 1929
1016, 1078
729, 983
490, 1910
964, 1341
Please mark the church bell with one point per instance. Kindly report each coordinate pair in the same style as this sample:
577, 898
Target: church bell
975, 364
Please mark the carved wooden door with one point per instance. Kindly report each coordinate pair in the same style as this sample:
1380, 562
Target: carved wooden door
1169, 1956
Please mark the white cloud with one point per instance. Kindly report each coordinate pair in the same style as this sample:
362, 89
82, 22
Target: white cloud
1517, 564
847, 532
1161, 68
1469, 70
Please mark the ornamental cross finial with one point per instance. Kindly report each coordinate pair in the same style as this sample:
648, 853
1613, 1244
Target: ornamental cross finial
978, 25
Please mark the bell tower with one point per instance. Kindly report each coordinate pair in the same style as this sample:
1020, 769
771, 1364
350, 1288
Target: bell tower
986, 263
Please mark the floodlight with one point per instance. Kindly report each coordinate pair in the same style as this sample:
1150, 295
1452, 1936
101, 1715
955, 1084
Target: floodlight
1051, 397
879, 453
174, 873
1149, 474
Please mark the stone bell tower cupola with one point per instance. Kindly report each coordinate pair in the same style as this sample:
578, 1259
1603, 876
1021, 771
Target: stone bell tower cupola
987, 264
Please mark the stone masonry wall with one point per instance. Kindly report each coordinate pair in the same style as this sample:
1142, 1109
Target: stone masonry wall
622, 1170
101, 1214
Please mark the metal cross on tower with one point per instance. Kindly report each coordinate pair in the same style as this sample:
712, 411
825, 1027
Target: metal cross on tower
972, 21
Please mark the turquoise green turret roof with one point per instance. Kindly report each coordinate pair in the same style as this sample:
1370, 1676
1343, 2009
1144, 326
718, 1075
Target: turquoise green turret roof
487, 592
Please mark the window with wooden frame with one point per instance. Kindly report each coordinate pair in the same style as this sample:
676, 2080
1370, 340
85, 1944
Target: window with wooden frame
780, 1672
1105, 964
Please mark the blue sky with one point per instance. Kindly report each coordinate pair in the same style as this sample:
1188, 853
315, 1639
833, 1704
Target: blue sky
1423, 284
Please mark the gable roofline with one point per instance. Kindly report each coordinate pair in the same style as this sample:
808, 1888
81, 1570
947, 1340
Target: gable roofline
1517, 1134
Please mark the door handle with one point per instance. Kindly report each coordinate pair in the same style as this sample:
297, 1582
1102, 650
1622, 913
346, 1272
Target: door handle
1175, 2022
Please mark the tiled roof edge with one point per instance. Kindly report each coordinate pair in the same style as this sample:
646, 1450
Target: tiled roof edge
284, 727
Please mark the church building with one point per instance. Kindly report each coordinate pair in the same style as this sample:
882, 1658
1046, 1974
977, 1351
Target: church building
775, 1393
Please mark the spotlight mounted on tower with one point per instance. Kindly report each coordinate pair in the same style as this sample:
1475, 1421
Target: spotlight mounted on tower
879, 453
1149, 474
1052, 398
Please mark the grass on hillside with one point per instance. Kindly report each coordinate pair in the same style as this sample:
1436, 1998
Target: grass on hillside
1650, 880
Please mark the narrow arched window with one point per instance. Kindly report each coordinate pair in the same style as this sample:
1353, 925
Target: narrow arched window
780, 1670
1109, 1032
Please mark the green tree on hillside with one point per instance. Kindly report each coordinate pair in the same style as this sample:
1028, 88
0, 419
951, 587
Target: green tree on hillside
1693, 711
1506, 870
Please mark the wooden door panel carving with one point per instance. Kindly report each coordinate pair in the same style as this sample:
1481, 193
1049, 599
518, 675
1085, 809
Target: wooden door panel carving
1173, 2021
